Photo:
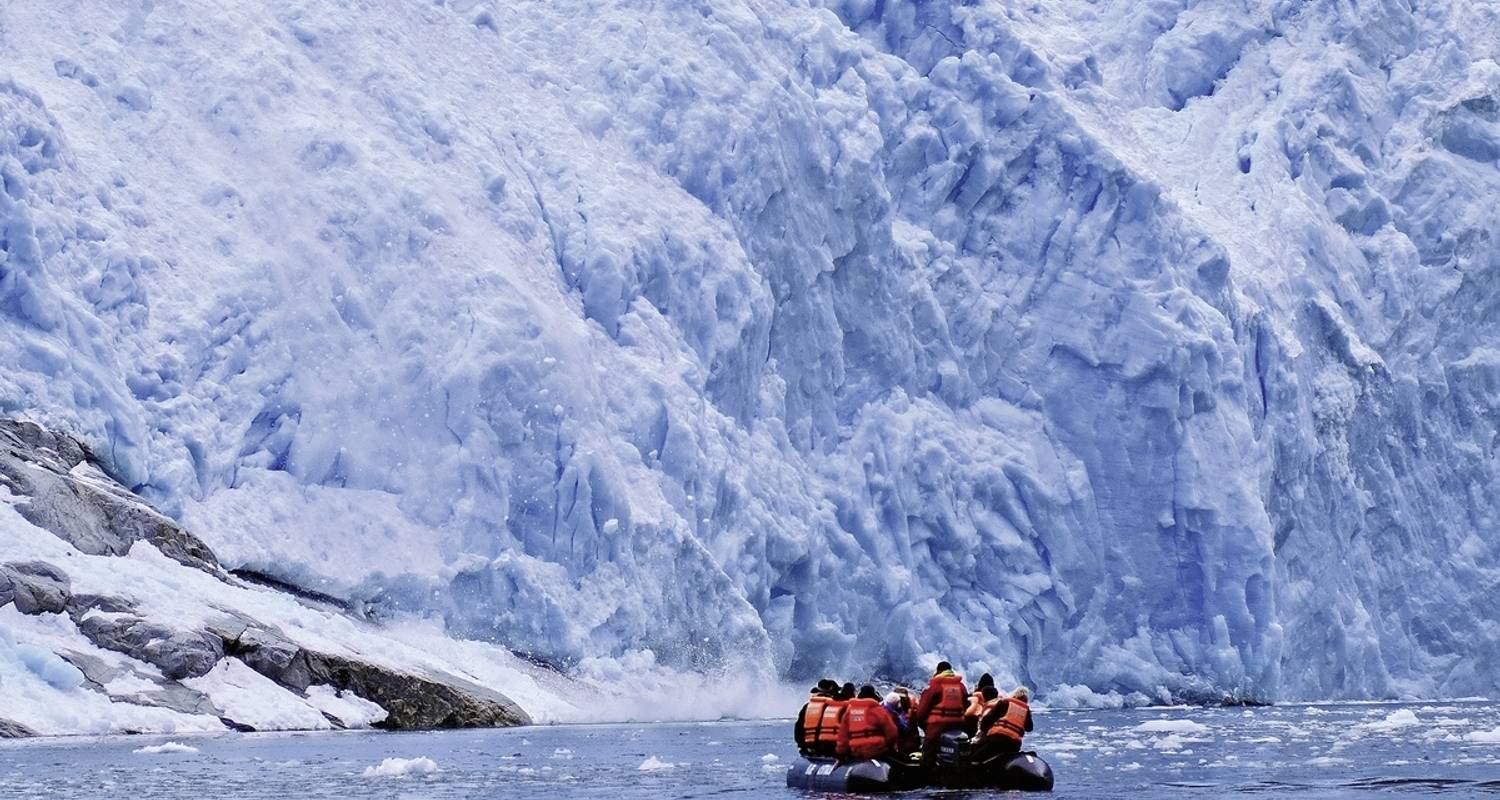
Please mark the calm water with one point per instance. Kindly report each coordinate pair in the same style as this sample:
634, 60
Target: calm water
1451, 749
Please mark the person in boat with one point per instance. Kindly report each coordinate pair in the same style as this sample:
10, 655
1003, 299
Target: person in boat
898, 705
833, 713
1004, 725
941, 707
976, 707
810, 718
866, 729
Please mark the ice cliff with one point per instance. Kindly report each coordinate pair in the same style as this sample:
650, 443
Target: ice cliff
1145, 348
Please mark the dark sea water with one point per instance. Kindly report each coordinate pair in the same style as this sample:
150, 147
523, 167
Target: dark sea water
1449, 749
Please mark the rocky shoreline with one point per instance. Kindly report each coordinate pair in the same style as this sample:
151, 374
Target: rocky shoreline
127, 650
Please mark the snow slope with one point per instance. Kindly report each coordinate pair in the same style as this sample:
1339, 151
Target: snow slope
1143, 347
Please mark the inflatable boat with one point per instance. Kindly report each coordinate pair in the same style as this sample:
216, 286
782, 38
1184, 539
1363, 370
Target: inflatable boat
953, 768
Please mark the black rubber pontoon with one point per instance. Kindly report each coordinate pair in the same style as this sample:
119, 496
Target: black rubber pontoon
956, 768
831, 775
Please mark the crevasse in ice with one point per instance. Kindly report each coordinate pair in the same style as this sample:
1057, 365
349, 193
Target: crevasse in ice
1146, 348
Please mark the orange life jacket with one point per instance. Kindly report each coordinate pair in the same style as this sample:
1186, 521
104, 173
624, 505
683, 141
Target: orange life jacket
812, 719
867, 737
976, 707
1012, 724
951, 701
828, 726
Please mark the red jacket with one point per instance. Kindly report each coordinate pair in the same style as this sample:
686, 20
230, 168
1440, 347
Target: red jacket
942, 704
866, 730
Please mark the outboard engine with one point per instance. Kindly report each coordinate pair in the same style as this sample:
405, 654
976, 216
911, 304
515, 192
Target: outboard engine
953, 747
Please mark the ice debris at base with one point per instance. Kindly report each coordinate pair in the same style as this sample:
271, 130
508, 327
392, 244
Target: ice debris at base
168, 747
654, 764
401, 767
1086, 344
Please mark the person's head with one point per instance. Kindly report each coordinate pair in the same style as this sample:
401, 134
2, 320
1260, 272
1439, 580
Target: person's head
847, 693
942, 667
989, 693
893, 699
1022, 693
827, 686
984, 680
867, 692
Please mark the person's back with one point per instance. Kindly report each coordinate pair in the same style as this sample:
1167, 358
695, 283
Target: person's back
942, 705
810, 718
1004, 725
866, 729
976, 707
899, 704
833, 713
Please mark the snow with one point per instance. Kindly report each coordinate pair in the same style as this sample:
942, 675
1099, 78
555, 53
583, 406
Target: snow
249, 698
167, 747
345, 706
48, 695
402, 767
1086, 345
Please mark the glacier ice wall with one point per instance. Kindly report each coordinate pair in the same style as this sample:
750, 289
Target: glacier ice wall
1149, 347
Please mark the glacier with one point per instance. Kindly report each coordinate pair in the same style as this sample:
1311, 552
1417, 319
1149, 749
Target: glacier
1142, 350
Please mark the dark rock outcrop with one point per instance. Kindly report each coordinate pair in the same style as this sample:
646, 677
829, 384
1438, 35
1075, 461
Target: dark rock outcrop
14, 730
412, 701
178, 654
68, 492
416, 702
165, 694
36, 587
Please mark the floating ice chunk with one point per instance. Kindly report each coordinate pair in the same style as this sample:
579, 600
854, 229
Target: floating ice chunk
562, 752
1484, 737
769, 758
1178, 726
168, 747
1169, 743
1396, 720
400, 767
654, 764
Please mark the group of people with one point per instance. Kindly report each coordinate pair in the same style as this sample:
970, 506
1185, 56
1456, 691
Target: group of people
842, 723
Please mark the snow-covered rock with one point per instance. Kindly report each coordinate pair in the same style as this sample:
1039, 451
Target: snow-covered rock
100, 642
1147, 350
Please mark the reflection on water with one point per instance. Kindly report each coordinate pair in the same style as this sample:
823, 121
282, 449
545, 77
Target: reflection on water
1449, 749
